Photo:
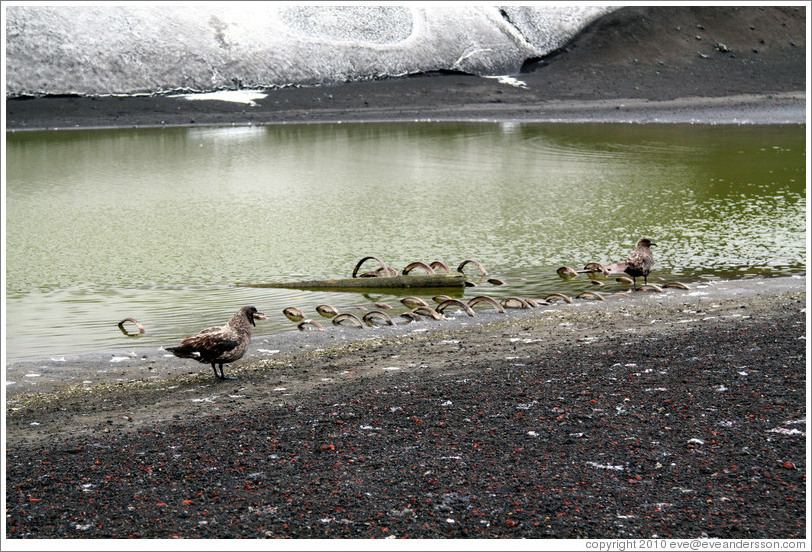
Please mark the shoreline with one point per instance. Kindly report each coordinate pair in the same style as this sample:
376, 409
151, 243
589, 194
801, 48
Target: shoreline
787, 108
150, 368
151, 365
590, 384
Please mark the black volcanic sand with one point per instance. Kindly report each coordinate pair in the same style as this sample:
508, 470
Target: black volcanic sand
679, 414
637, 64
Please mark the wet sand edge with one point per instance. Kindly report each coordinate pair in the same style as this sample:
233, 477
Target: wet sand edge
308, 361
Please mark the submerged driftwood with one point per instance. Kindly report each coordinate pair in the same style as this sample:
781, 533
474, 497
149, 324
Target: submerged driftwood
344, 284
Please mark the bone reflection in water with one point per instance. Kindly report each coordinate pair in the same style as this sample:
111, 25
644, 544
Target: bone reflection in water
327, 311
412, 302
294, 314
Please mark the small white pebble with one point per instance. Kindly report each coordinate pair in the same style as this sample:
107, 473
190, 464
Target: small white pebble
606, 466
784, 431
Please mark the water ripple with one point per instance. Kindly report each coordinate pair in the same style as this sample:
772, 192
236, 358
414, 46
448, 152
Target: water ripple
159, 224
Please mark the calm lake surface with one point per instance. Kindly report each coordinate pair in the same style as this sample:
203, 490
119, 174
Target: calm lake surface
159, 224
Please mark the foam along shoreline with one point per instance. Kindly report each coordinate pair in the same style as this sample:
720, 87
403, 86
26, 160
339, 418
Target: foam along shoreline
138, 365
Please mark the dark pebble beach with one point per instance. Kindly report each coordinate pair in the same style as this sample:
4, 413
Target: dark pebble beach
673, 415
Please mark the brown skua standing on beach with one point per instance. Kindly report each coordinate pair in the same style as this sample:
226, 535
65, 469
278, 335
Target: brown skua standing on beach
220, 344
640, 261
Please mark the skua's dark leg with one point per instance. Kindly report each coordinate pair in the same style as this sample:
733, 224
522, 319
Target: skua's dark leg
223, 376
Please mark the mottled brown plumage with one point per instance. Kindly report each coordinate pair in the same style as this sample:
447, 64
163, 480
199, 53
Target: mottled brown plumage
220, 344
640, 261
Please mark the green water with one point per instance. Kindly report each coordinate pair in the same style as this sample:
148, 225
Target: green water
159, 224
